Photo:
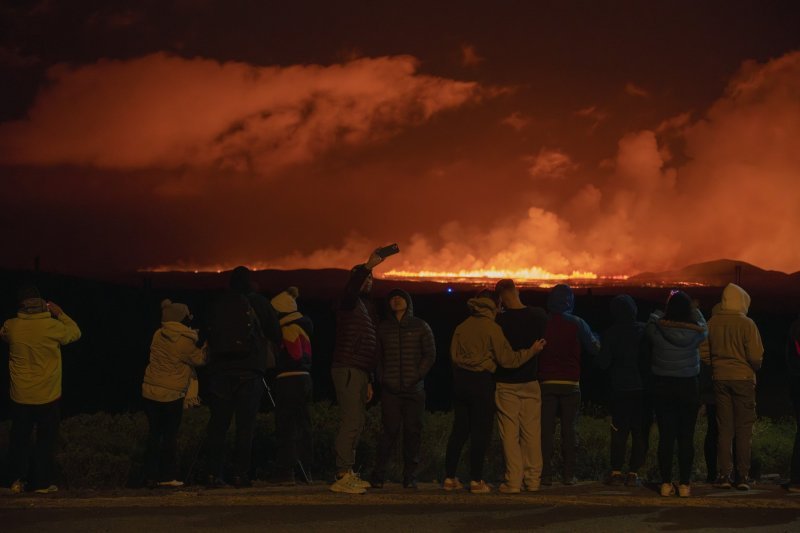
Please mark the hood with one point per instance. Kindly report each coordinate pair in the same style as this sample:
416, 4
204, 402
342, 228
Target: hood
623, 309
240, 280
561, 299
405, 296
716, 309
33, 306
482, 307
735, 299
173, 331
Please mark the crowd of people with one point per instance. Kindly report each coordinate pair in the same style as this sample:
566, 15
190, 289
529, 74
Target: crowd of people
513, 363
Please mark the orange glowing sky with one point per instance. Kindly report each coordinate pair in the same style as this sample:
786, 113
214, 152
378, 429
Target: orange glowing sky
540, 139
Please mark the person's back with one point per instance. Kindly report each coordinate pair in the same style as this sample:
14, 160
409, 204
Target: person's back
624, 356
559, 374
623, 353
522, 327
35, 338
734, 351
734, 342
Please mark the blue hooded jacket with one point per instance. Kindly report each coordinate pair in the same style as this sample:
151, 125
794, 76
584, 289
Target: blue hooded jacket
675, 345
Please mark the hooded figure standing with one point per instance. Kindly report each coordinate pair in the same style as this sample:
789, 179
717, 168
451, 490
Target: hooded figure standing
559, 375
293, 388
477, 348
173, 355
734, 352
35, 338
407, 351
675, 337
624, 354
242, 324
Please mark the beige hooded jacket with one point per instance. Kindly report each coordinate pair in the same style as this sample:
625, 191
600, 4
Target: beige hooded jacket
733, 349
479, 344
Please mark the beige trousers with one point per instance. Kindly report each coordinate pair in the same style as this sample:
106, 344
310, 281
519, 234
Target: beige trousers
519, 416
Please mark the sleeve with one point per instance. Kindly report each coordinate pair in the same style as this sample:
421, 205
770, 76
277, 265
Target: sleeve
589, 341
353, 288
705, 352
504, 355
428, 350
69, 332
193, 355
754, 347
604, 358
701, 321
270, 324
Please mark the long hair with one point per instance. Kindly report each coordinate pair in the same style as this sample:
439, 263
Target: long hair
679, 307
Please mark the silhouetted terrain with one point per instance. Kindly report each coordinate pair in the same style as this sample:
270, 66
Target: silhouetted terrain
103, 371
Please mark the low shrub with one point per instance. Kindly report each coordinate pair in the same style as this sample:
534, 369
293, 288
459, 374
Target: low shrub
105, 451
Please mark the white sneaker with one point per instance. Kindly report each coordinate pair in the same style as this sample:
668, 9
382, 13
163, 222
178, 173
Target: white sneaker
667, 489
684, 491
452, 483
479, 487
172, 483
18, 487
347, 485
47, 490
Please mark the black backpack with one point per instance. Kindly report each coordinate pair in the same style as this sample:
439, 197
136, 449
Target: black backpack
234, 330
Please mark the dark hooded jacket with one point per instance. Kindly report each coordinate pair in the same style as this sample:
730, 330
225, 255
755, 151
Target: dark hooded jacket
675, 345
407, 349
624, 352
256, 361
566, 334
356, 326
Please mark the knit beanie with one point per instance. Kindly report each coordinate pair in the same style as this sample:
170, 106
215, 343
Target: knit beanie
285, 302
174, 312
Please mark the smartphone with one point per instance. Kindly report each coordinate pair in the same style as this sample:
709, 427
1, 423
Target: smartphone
386, 251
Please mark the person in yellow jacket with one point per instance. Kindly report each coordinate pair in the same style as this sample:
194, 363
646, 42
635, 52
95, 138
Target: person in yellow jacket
35, 338
174, 353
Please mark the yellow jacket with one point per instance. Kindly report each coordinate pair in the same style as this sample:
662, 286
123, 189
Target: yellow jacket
34, 361
173, 356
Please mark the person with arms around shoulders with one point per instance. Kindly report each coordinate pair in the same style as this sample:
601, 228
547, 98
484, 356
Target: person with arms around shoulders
734, 352
675, 336
293, 389
567, 337
35, 337
355, 359
241, 325
518, 395
407, 351
624, 355
477, 348
174, 353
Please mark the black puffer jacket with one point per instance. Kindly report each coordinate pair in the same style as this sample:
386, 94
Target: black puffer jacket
407, 349
356, 332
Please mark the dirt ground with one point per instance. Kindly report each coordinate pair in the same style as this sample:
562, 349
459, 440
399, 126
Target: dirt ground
586, 507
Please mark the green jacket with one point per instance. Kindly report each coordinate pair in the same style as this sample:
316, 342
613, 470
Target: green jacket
479, 344
34, 361
733, 350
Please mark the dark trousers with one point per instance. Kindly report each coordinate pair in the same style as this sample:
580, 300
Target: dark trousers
164, 421
293, 421
648, 418
710, 442
473, 419
677, 401
626, 419
229, 396
795, 391
400, 411
560, 402
24, 417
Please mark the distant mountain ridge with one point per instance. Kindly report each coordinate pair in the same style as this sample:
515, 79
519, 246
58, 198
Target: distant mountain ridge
721, 272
